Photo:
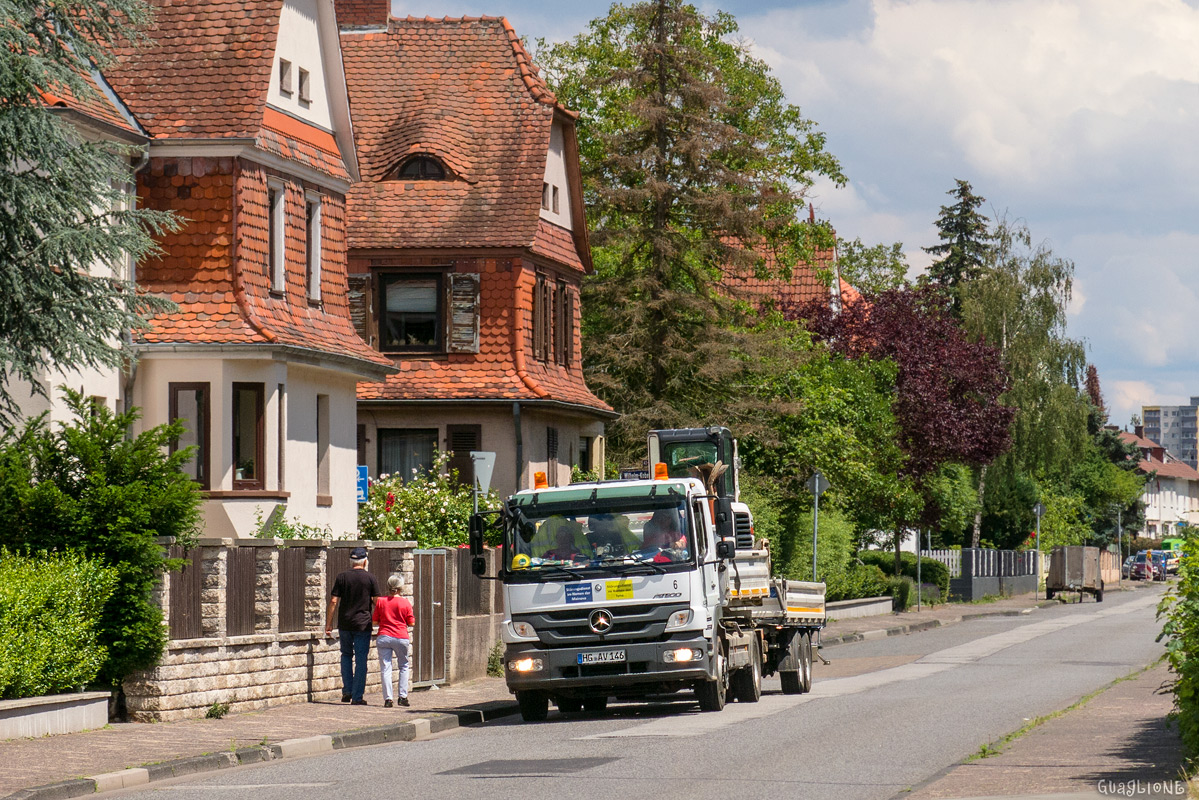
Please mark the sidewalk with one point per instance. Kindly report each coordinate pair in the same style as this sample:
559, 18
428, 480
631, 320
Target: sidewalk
1117, 743
167, 749
119, 746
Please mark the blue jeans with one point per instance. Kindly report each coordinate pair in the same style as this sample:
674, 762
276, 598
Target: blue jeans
354, 647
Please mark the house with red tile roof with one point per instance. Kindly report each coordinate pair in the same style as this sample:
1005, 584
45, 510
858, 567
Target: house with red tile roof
467, 246
243, 111
789, 291
1171, 495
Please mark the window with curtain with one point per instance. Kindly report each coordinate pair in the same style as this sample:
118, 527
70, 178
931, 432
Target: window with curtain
410, 313
406, 451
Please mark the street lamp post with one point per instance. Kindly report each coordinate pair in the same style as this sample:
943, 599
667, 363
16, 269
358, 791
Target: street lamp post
1120, 540
1039, 510
817, 484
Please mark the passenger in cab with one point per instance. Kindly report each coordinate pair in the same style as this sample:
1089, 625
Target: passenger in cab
664, 533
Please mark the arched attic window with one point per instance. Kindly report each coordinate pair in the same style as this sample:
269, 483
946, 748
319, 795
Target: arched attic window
418, 168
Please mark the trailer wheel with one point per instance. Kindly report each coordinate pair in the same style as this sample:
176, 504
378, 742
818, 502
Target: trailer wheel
1049, 594
1099, 593
791, 682
534, 705
711, 694
805, 663
595, 704
747, 681
569, 705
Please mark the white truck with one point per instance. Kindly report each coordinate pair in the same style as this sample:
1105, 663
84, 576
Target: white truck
641, 588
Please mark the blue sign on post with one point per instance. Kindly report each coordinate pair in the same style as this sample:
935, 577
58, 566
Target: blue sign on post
363, 483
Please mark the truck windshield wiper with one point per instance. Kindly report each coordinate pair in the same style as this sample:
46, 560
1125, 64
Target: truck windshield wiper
571, 572
643, 562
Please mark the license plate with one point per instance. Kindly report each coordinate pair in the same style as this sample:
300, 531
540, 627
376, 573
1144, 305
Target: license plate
602, 657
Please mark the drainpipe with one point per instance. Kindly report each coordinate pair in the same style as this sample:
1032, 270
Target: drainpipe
520, 447
142, 162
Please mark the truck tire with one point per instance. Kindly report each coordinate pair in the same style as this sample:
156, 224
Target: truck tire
595, 704
712, 694
569, 705
805, 663
1099, 593
747, 681
791, 682
1049, 594
534, 705
792, 679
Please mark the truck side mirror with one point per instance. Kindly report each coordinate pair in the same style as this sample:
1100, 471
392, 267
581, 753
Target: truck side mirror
726, 527
478, 566
726, 549
475, 537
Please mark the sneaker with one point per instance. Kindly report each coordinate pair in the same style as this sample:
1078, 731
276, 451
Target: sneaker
404, 702
358, 702
345, 698
387, 704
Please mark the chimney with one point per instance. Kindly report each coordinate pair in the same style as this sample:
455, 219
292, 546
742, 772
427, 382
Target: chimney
1139, 430
362, 13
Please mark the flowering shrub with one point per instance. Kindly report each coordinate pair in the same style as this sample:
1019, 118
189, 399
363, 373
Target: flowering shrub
431, 507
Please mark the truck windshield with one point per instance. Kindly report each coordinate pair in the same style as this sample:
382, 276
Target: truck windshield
681, 457
613, 537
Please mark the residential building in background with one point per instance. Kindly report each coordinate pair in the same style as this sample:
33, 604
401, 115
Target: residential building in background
244, 110
1171, 495
468, 243
1174, 428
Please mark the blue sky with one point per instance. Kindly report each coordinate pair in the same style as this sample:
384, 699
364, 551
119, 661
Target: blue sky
1078, 117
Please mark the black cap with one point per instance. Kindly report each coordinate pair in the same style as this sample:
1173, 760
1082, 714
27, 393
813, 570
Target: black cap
358, 553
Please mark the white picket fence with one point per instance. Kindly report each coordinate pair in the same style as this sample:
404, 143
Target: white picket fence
950, 558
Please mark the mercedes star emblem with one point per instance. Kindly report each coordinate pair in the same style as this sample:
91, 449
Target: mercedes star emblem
600, 621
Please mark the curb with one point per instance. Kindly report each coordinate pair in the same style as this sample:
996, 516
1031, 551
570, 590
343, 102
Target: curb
916, 627
408, 731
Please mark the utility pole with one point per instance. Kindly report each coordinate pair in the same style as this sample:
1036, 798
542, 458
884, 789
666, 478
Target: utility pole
817, 484
1039, 510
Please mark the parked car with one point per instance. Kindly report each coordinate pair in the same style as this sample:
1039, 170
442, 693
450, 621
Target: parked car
1127, 568
1142, 568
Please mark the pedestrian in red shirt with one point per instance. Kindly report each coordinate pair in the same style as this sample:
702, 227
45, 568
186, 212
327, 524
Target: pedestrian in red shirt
394, 616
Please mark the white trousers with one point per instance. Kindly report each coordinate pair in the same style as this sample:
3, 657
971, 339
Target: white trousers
387, 647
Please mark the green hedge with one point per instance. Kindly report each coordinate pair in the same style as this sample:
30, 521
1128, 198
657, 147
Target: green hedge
1180, 609
50, 609
856, 582
931, 571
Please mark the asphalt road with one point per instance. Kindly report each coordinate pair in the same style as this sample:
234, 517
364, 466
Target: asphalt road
886, 715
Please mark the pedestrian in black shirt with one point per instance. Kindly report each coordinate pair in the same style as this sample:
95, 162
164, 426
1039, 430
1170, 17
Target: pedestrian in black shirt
353, 601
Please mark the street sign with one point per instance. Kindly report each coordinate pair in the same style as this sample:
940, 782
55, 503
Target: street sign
363, 483
634, 474
817, 484
484, 465
1039, 510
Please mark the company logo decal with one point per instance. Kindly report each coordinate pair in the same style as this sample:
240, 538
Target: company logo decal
600, 621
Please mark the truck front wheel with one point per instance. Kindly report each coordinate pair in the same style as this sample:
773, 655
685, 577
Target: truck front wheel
712, 693
805, 663
534, 705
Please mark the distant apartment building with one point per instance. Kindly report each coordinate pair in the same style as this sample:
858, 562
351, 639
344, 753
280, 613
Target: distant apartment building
1171, 495
1174, 428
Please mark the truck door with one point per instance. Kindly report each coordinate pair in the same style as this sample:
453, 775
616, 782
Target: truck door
710, 574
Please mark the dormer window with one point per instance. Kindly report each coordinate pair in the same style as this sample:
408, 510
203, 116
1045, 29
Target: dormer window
419, 168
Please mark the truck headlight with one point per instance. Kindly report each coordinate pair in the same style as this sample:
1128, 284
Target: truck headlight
682, 654
525, 665
522, 630
678, 619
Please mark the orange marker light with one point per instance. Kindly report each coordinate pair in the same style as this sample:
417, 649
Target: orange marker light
539, 481
660, 472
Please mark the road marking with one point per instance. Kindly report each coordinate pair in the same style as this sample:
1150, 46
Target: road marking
696, 723
241, 787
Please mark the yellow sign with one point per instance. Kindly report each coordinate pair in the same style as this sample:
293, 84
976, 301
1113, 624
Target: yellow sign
619, 590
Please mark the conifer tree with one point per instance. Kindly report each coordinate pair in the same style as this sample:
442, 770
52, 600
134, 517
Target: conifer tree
66, 232
694, 164
965, 237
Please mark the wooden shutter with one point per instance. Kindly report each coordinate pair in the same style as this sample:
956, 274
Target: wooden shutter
461, 439
361, 445
359, 296
464, 312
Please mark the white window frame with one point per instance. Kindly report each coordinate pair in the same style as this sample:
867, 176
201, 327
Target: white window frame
276, 230
313, 230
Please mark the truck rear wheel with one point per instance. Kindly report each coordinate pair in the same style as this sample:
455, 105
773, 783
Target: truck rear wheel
534, 705
747, 681
791, 682
569, 705
711, 694
805, 663
595, 704
792, 679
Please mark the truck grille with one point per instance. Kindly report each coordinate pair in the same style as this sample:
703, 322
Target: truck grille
744, 526
568, 627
